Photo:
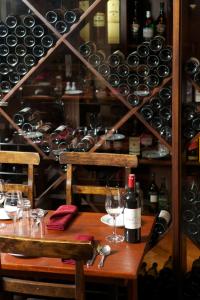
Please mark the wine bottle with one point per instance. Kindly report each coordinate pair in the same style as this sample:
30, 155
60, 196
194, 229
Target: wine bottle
21, 116
161, 21
162, 222
143, 50
157, 43
3, 30
38, 51
86, 143
20, 31
87, 49
123, 70
20, 50
21, 69
4, 69
132, 213
114, 80
47, 41
116, 58
14, 77
29, 60
104, 70
29, 41
4, 50
99, 32
5, 86
97, 58
11, 40
135, 26
11, 21
153, 195
163, 196
53, 16
148, 28
12, 60
73, 15
46, 128
133, 59
38, 31
61, 26
161, 225
28, 21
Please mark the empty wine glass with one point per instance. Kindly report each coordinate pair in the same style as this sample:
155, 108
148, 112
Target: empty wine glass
2, 198
114, 205
13, 204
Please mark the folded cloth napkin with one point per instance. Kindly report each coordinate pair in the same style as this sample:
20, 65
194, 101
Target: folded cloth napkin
79, 237
61, 217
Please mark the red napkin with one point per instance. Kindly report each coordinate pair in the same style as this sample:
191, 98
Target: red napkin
79, 237
61, 217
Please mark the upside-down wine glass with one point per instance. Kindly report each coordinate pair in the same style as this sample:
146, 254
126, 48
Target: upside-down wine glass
13, 205
114, 205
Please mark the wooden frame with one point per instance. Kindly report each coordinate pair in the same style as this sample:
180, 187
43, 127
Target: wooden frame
79, 251
126, 161
23, 158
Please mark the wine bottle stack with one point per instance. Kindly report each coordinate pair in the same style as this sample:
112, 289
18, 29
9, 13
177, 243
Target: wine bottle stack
154, 283
23, 41
136, 74
53, 139
62, 20
191, 284
191, 120
191, 210
158, 112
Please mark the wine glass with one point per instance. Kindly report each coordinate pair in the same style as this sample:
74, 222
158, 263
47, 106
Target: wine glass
13, 204
114, 206
2, 198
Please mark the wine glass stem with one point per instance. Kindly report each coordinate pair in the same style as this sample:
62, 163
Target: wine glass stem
114, 225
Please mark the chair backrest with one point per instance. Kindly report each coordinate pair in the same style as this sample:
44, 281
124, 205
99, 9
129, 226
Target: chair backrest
23, 158
80, 251
126, 161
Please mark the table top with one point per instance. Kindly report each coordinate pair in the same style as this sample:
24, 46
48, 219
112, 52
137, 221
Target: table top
123, 262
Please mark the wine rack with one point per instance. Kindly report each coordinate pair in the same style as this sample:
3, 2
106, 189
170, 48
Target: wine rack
64, 40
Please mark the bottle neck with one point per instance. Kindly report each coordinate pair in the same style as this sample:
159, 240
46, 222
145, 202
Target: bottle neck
131, 182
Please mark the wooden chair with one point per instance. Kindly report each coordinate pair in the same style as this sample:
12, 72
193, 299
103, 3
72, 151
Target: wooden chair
126, 161
23, 158
77, 250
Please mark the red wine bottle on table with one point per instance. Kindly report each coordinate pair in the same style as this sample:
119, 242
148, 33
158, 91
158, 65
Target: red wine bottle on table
132, 213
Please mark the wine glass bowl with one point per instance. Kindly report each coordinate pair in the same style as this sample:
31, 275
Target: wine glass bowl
114, 205
13, 204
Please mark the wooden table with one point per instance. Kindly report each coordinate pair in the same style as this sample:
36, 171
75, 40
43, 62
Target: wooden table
121, 266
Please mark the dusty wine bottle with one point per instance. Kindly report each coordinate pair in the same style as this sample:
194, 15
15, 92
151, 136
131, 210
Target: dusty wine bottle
47, 41
38, 51
132, 213
38, 31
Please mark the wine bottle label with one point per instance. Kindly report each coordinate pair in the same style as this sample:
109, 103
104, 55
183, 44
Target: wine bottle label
161, 28
153, 198
60, 128
25, 110
132, 218
134, 145
135, 28
99, 20
165, 215
147, 32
